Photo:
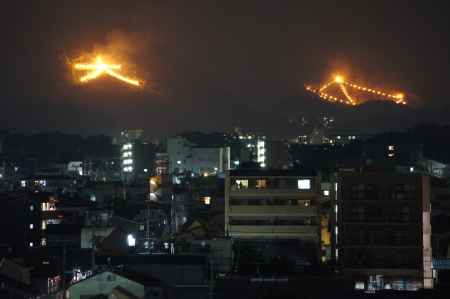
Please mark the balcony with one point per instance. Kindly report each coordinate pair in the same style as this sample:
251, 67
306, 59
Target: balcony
274, 231
272, 210
271, 192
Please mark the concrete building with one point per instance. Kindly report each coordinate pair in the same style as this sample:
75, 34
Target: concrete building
276, 209
185, 156
382, 232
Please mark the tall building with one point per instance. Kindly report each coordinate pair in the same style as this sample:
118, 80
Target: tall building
382, 232
137, 156
279, 206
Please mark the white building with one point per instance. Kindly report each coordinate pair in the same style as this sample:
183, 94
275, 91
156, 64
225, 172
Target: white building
184, 156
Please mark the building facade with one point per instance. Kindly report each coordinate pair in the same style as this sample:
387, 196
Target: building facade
382, 231
185, 156
274, 207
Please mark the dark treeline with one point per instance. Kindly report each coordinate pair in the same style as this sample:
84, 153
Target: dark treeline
56, 146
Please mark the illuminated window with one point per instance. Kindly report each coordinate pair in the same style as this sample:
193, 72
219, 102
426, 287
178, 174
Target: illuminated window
48, 206
391, 148
390, 155
31, 208
23, 184
43, 242
307, 203
31, 244
242, 184
207, 200
261, 184
304, 184
31, 225
44, 225
326, 192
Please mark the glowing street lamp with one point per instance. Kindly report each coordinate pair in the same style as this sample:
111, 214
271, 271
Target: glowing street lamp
131, 240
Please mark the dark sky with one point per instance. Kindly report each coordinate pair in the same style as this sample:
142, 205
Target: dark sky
210, 65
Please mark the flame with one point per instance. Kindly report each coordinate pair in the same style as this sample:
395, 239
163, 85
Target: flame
99, 68
398, 98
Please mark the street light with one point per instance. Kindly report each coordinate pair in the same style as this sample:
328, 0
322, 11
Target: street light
131, 240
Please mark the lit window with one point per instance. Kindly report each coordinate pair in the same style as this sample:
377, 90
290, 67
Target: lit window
207, 200
390, 155
31, 244
31, 208
44, 225
46, 206
43, 242
304, 184
391, 148
127, 161
261, 184
242, 184
411, 169
307, 203
326, 192
23, 183
31, 225
179, 162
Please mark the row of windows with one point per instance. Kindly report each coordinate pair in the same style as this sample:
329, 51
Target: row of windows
382, 238
270, 202
381, 214
274, 221
374, 192
301, 184
377, 258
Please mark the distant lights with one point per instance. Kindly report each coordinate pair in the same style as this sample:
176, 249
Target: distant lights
128, 169
127, 161
127, 146
131, 240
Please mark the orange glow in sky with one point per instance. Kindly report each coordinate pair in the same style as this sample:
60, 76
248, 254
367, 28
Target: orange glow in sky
99, 68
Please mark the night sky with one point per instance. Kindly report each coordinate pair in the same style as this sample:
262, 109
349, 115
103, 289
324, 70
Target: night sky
211, 65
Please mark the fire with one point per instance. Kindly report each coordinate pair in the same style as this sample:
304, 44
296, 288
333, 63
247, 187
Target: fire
99, 67
398, 98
